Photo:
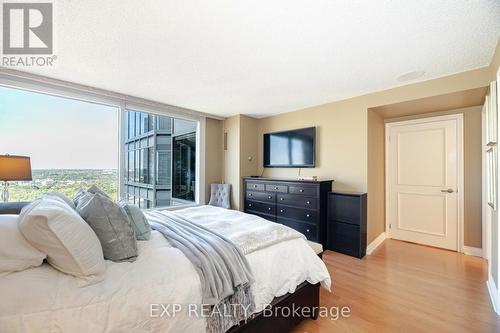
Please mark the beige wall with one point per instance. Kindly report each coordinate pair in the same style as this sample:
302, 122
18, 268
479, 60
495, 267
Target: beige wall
456, 100
473, 150
213, 154
240, 157
376, 175
343, 136
232, 158
495, 63
340, 143
248, 150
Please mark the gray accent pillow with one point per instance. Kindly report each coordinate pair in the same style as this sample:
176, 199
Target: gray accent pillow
139, 222
94, 189
111, 225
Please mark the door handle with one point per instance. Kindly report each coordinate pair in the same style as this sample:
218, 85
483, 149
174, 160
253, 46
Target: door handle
447, 191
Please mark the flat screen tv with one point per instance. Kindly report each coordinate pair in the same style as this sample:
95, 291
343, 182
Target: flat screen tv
290, 149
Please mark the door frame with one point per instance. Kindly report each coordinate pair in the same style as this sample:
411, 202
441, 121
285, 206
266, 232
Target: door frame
486, 214
459, 117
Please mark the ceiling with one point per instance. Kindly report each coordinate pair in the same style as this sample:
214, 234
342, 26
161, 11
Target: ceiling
261, 58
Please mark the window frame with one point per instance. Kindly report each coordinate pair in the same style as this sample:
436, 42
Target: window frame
43, 85
491, 113
200, 146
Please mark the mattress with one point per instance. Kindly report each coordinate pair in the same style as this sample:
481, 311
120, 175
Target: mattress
159, 292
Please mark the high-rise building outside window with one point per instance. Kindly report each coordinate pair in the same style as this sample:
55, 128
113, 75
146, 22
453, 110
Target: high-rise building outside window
160, 160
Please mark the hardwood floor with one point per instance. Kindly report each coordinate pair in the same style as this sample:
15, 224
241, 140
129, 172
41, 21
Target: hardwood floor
404, 287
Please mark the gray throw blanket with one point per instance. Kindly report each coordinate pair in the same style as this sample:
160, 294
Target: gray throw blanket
224, 271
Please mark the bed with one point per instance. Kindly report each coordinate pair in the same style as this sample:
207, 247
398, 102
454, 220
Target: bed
159, 292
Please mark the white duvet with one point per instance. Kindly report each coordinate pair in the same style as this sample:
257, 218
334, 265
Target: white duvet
44, 300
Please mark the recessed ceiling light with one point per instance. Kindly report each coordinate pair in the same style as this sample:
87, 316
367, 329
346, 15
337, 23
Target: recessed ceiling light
410, 76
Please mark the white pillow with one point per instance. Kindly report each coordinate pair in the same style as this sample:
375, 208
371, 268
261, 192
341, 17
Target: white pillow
71, 246
16, 254
62, 197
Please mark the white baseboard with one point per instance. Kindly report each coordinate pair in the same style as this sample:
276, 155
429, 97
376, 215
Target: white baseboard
376, 242
492, 289
472, 251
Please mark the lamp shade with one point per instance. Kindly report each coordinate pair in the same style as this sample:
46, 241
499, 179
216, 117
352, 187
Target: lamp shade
15, 168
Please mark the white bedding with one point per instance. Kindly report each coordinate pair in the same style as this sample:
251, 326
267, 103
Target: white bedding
44, 300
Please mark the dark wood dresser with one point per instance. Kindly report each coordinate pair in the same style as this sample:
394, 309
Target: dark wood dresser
346, 229
299, 204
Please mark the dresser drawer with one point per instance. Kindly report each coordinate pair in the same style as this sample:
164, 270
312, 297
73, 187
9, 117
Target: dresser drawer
261, 196
255, 187
261, 207
297, 200
310, 231
300, 214
277, 188
303, 189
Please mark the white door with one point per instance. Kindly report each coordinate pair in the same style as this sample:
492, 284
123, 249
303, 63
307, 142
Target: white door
424, 173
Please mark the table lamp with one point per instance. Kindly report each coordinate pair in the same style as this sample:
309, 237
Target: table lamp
13, 168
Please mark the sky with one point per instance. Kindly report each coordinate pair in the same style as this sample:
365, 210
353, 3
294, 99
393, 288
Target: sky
58, 133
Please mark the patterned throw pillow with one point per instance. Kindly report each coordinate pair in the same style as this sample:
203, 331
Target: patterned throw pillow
139, 222
81, 192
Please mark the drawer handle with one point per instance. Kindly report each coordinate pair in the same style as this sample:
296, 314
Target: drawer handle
255, 186
282, 210
270, 197
307, 230
301, 190
249, 205
282, 199
308, 215
250, 194
269, 208
308, 202
276, 187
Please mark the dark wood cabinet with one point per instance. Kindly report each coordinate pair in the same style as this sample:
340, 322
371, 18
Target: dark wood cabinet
299, 204
346, 227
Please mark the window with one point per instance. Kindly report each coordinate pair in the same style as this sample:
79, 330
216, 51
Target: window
184, 161
165, 160
163, 167
71, 134
492, 144
71, 143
